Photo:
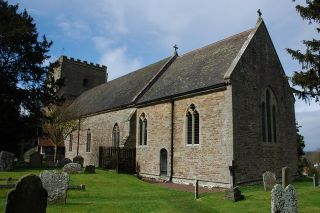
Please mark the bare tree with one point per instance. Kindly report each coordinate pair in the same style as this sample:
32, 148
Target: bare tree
57, 126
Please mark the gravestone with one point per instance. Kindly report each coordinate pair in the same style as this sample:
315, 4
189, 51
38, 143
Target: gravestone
56, 183
269, 180
285, 177
78, 159
90, 169
36, 159
315, 179
65, 161
28, 196
72, 168
283, 201
6, 161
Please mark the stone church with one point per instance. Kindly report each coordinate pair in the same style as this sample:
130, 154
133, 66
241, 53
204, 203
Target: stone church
194, 115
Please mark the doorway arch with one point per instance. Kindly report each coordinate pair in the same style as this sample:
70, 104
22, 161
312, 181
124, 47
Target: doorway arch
163, 162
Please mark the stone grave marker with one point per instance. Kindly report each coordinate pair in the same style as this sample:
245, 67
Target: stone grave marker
196, 189
269, 180
90, 169
283, 201
36, 159
56, 183
29, 195
6, 161
72, 168
285, 177
65, 161
78, 159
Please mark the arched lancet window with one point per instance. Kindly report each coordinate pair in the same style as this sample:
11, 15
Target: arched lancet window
116, 135
268, 116
143, 130
88, 146
192, 125
70, 142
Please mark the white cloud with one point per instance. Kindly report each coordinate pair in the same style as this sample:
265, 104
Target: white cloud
118, 62
102, 43
73, 29
302, 106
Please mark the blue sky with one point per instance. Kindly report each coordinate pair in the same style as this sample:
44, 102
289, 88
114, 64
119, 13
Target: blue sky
126, 34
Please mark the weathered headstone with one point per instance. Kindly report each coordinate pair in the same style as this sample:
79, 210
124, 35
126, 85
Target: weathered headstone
28, 196
90, 169
196, 189
283, 201
285, 177
290, 200
315, 179
78, 159
269, 180
36, 159
72, 168
65, 161
6, 161
56, 183
233, 193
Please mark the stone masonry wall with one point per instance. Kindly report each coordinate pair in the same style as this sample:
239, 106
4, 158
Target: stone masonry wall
101, 127
207, 161
260, 68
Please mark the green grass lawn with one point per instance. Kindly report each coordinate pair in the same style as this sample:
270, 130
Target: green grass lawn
107, 191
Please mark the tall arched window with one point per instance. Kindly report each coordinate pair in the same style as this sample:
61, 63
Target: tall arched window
268, 116
70, 142
88, 146
116, 135
143, 130
192, 126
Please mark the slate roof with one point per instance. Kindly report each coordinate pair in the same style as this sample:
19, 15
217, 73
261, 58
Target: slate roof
116, 93
199, 69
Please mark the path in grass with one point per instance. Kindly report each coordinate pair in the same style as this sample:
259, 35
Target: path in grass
109, 192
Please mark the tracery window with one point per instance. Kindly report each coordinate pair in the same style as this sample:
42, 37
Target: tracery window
192, 126
116, 135
143, 130
269, 116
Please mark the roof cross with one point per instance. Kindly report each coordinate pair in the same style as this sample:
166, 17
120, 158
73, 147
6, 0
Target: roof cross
259, 12
175, 49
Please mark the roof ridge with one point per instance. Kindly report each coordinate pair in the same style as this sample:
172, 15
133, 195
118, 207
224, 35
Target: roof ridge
154, 78
217, 42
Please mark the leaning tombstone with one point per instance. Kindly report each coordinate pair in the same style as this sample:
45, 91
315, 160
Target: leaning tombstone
290, 200
6, 161
315, 179
78, 159
91, 169
36, 159
29, 195
72, 168
285, 176
269, 180
56, 183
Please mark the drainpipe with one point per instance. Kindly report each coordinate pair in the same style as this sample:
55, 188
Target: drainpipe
172, 127
78, 137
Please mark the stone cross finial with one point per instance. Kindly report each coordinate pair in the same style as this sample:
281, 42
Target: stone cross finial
175, 49
259, 12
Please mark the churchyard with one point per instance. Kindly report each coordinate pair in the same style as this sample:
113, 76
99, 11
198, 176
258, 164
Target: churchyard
107, 191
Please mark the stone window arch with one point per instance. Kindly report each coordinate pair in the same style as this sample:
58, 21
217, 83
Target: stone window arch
192, 127
116, 135
143, 130
269, 116
88, 144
